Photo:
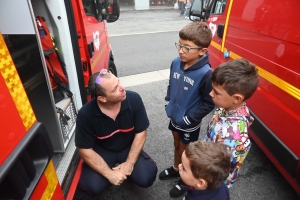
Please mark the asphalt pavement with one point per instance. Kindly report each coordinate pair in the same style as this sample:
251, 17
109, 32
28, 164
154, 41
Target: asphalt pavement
143, 45
259, 179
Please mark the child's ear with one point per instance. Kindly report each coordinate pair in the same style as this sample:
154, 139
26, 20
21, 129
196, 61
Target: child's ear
238, 98
101, 99
202, 51
201, 184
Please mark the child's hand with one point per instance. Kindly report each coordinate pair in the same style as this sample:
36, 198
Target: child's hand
166, 103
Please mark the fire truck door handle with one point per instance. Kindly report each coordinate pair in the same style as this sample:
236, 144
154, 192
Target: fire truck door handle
91, 49
220, 30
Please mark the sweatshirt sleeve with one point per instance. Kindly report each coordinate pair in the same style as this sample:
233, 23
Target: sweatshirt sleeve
207, 104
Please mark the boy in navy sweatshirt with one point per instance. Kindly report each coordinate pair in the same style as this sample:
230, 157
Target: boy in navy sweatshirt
188, 99
204, 167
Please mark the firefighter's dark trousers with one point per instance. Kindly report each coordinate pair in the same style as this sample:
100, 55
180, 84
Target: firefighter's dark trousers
143, 174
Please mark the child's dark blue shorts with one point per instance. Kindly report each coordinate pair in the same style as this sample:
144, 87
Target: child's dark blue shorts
186, 137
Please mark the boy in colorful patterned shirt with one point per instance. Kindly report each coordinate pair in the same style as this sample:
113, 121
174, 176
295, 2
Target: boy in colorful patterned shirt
233, 82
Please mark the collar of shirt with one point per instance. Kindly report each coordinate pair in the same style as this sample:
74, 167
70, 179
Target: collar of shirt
241, 111
98, 112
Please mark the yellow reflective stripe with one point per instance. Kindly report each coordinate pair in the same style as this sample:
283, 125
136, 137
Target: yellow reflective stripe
233, 55
99, 56
15, 86
226, 25
283, 85
216, 45
52, 181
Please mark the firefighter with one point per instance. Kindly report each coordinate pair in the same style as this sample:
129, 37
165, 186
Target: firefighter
110, 134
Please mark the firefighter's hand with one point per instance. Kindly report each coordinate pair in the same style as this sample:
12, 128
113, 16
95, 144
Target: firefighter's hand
117, 178
125, 168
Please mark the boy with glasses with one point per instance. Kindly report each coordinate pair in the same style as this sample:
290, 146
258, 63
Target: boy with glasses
188, 99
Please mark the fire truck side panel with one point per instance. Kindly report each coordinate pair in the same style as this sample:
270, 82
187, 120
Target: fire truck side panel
48, 185
12, 131
267, 34
273, 18
273, 34
275, 56
29, 59
82, 41
215, 45
279, 101
25, 52
95, 33
38, 159
216, 24
12, 98
215, 53
24, 164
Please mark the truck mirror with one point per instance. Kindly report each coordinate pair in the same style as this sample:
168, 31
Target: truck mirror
200, 10
113, 11
94, 9
196, 10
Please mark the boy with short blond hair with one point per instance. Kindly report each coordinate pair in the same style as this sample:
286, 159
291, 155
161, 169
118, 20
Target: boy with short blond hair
188, 99
233, 83
204, 168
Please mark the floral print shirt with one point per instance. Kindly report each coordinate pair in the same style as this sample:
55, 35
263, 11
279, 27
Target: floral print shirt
231, 129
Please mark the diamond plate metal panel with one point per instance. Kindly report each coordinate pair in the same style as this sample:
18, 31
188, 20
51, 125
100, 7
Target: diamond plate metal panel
66, 159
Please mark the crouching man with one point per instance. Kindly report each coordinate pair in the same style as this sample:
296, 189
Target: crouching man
111, 131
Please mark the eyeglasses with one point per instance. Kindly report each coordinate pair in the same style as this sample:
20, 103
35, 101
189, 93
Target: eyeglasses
185, 49
99, 79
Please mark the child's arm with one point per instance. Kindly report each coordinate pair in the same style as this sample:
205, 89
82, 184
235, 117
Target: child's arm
167, 98
207, 104
238, 139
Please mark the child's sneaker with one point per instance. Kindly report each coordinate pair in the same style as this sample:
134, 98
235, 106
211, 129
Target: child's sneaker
168, 173
177, 190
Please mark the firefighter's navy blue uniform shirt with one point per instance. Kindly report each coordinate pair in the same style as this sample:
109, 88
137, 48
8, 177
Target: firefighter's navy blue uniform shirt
94, 127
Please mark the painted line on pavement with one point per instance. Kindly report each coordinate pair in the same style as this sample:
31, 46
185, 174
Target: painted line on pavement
142, 33
144, 78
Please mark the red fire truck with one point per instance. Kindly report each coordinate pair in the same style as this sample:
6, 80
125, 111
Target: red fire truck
38, 158
267, 33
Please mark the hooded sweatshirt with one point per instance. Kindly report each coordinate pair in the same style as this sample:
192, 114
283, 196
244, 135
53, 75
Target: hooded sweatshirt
231, 129
188, 99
